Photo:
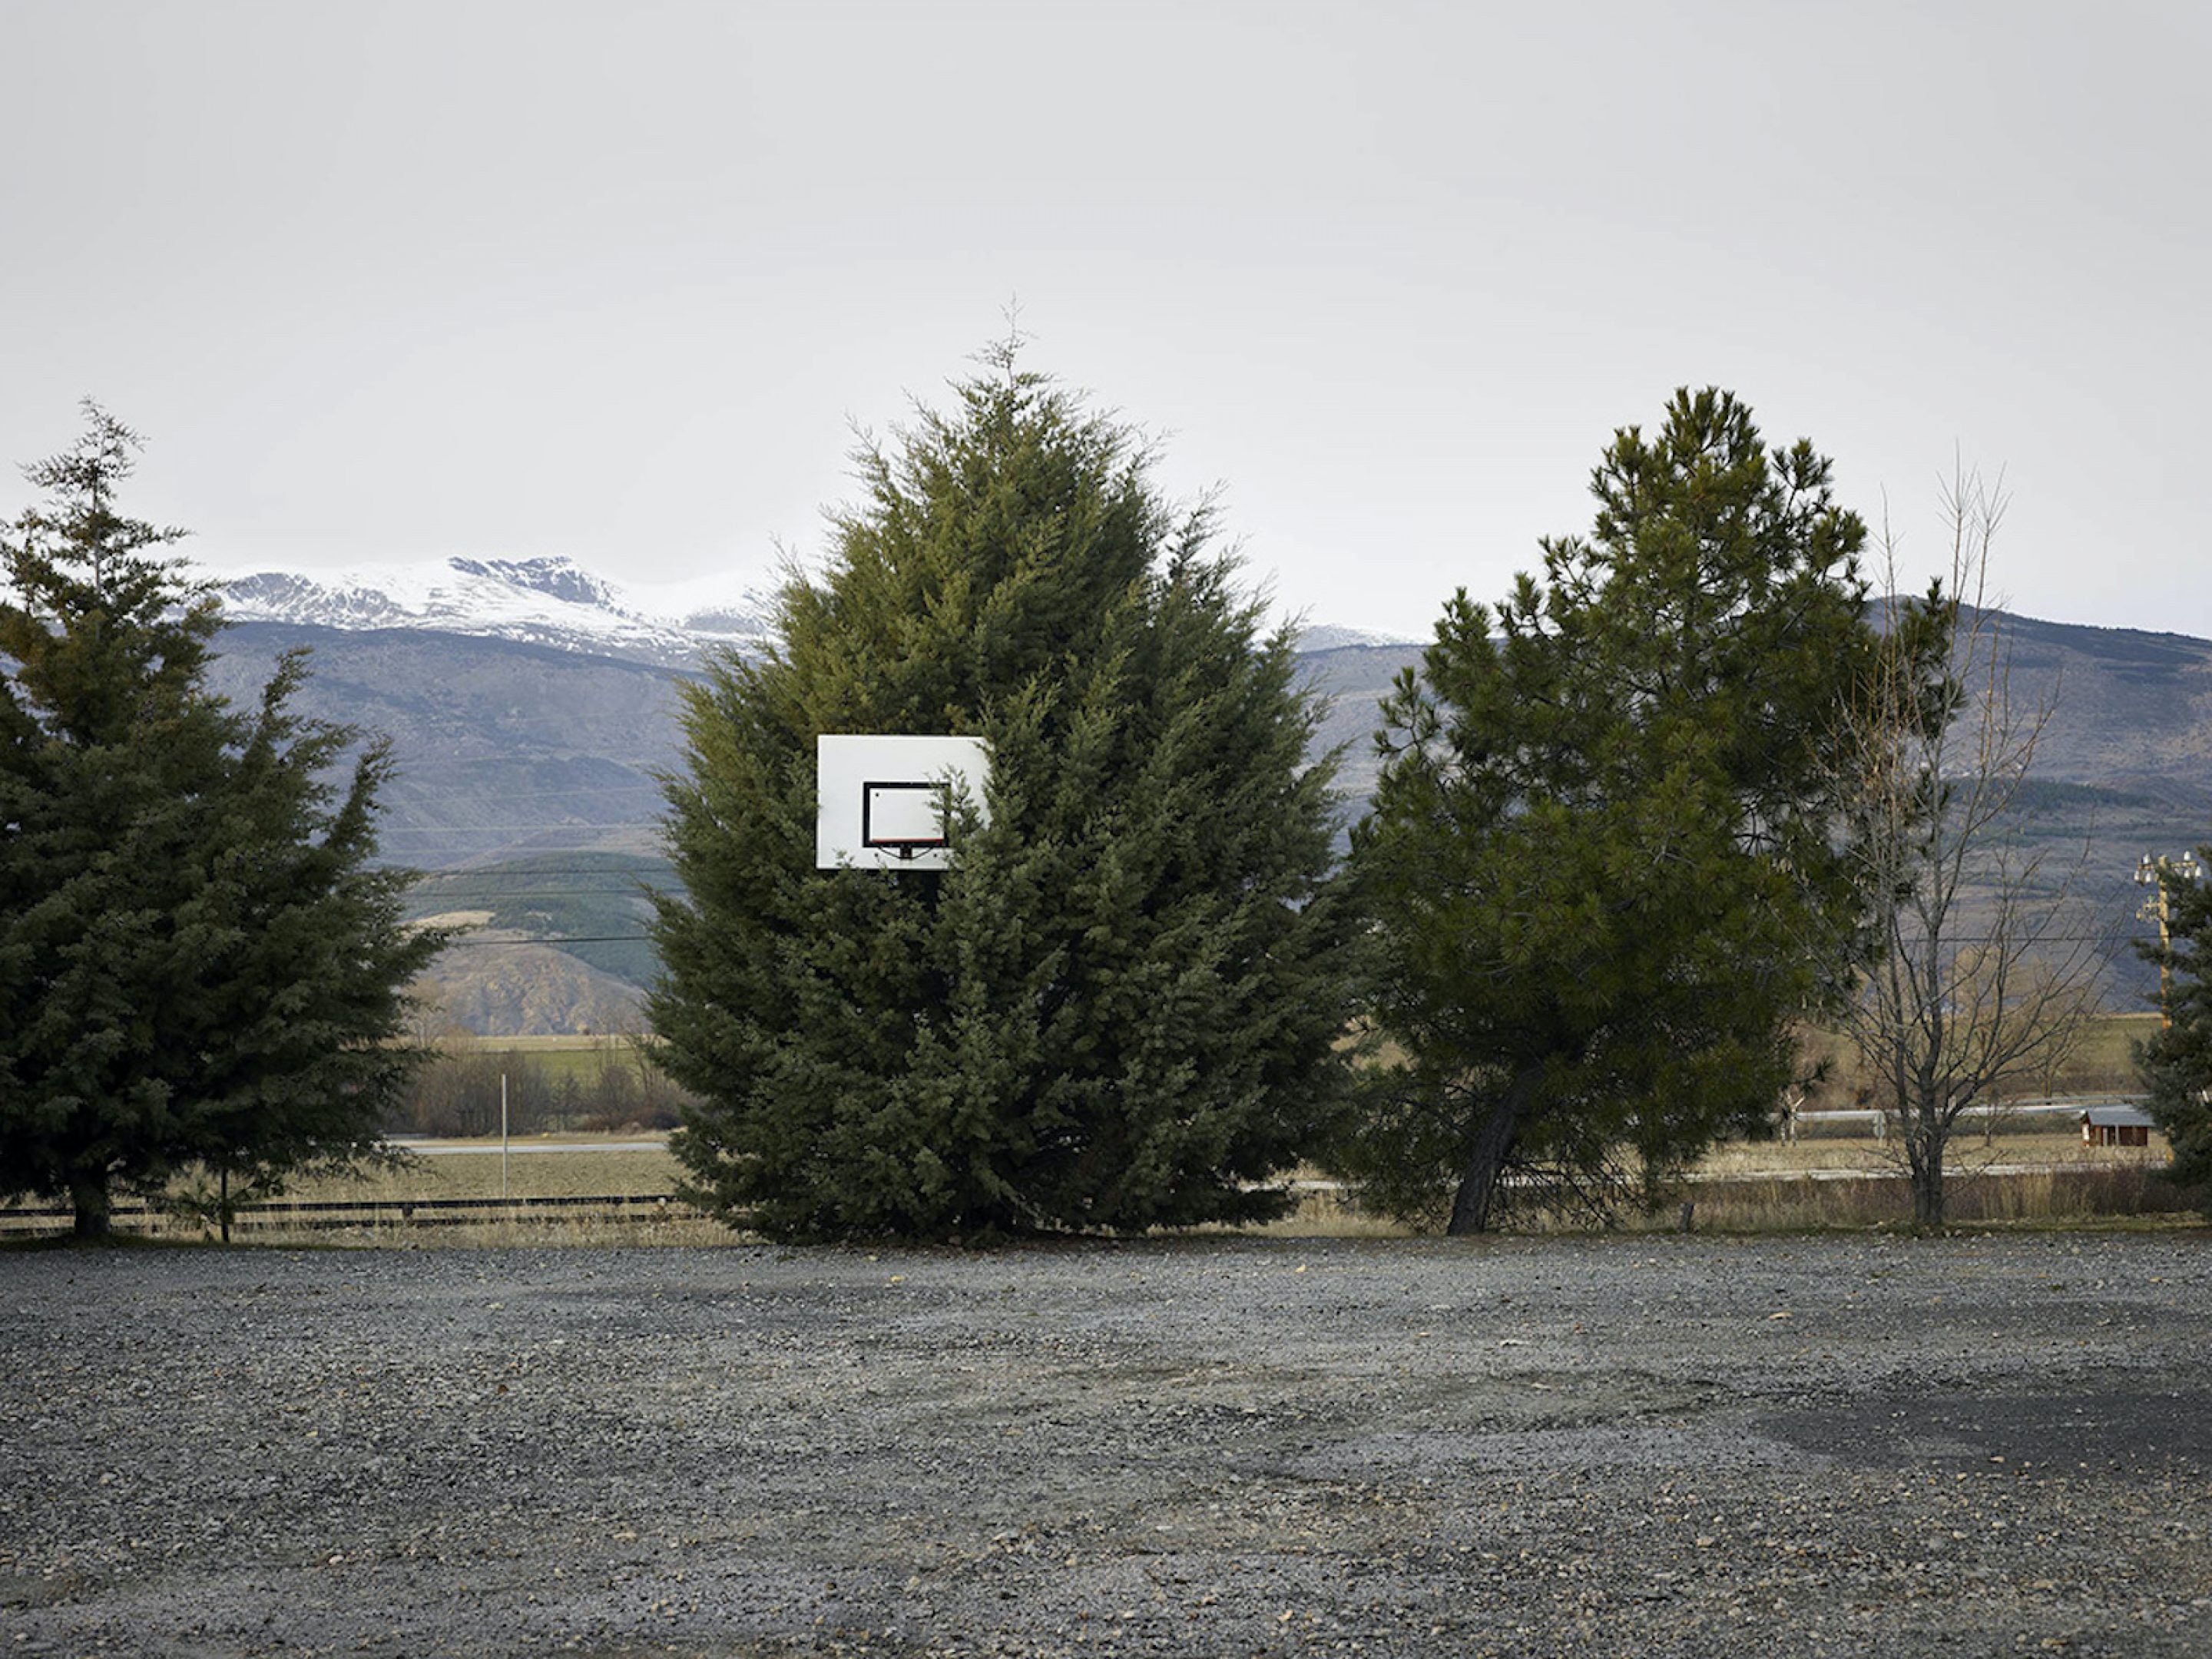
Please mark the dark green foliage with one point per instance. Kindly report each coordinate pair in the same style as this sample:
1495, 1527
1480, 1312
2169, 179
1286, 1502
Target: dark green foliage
2177, 1063
1118, 1008
197, 964
1602, 836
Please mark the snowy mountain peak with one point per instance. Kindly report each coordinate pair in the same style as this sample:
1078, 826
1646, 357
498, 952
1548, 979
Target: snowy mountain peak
557, 578
543, 601
555, 602
1332, 636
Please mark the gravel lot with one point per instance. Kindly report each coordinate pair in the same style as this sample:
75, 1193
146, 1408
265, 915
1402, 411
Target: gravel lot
1637, 1445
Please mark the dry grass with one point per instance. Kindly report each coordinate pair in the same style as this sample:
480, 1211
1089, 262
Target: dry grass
586, 1166
609, 1166
1767, 1186
1852, 1183
2039, 1173
685, 1228
2135, 1192
1325, 1210
556, 1042
1970, 1150
2102, 1061
475, 1173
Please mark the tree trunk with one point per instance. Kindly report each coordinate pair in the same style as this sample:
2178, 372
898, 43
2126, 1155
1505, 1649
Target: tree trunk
92, 1204
1485, 1163
1928, 1194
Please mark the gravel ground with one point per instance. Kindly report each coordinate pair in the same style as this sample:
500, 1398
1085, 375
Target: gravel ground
1648, 1446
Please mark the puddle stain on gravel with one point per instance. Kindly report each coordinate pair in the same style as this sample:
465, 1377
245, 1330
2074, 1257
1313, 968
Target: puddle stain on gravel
2120, 1431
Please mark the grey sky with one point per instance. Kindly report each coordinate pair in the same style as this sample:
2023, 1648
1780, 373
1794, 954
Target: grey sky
395, 281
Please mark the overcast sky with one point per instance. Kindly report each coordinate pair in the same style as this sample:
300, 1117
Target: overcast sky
397, 281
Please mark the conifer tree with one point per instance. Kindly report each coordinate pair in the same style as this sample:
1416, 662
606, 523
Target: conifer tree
200, 966
1117, 1009
1602, 849
2177, 1063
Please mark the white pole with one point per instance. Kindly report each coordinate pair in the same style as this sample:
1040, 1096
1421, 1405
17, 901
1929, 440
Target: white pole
503, 1135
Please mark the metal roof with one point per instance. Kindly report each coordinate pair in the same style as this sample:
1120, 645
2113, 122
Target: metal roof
2126, 1117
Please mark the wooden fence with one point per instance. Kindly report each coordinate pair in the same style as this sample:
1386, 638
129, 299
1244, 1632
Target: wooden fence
329, 1215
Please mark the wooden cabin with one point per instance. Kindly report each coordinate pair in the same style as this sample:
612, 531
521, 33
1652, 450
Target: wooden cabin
2115, 1126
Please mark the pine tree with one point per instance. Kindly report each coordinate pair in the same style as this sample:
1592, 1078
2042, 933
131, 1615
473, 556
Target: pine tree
200, 966
1601, 849
2177, 1063
1117, 1010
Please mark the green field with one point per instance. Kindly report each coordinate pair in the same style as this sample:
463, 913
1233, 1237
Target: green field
551, 1084
552, 1058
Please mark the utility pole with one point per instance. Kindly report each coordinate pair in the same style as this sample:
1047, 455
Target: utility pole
2152, 872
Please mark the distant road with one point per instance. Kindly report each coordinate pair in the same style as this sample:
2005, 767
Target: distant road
466, 1148
1956, 1168
2066, 1106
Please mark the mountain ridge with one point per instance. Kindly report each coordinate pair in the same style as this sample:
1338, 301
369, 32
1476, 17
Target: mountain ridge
554, 602
530, 754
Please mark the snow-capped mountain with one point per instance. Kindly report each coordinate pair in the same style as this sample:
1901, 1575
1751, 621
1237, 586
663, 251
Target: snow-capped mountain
1335, 636
555, 602
550, 601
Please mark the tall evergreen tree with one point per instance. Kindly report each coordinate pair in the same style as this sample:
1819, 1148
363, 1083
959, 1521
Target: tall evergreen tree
199, 964
1117, 1009
2177, 1063
1603, 846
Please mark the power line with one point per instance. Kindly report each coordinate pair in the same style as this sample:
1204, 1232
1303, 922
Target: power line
516, 873
441, 881
446, 881
549, 938
432, 889
507, 857
2026, 940
513, 828
642, 787
450, 893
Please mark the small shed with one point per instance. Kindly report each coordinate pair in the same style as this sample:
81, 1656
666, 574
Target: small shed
2115, 1126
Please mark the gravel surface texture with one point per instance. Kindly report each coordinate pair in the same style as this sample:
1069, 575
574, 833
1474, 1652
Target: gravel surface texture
1647, 1446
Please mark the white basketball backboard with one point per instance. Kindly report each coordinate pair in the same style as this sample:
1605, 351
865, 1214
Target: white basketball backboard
882, 800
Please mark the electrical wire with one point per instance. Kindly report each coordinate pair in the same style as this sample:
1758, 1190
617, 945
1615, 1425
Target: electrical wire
513, 828
549, 938
643, 786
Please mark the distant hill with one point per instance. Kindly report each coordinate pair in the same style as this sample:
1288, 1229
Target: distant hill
499, 985
526, 778
2130, 708
498, 978
503, 747
1352, 680
595, 901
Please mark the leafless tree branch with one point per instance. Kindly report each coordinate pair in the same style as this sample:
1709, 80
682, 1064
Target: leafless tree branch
1982, 975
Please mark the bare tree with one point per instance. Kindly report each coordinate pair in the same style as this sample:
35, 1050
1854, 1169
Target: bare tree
1979, 971
430, 1022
